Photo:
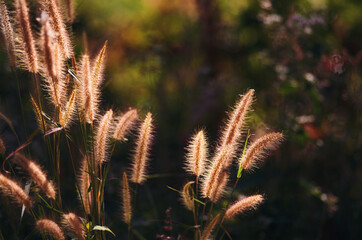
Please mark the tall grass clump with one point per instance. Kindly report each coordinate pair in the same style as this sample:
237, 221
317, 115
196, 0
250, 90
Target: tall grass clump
76, 131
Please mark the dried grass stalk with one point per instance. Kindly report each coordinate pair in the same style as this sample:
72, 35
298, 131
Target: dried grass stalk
75, 225
258, 150
26, 45
84, 184
42, 124
197, 154
58, 24
7, 30
126, 200
142, 151
51, 228
13, 190
209, 228
102, 137
36, 174
245, 204
124, 124
186, 198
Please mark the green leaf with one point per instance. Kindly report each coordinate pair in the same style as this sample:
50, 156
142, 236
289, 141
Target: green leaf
243, 155
103, 228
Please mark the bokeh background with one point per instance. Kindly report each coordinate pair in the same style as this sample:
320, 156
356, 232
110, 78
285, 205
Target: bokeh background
188, 61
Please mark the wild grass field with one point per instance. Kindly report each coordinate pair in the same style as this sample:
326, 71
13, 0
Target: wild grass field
195, 119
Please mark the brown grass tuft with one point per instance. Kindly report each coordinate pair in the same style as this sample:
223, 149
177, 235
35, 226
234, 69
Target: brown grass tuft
124, 124
197, 154
142, 150
245, 204
13, 190
74, 224
102, 136
51, 228
257, 151
7, 30
26, 49
87, 104
36, 174
68, 111
126, 200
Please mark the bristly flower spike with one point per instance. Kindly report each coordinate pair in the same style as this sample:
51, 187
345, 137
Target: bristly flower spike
13, 190
102, 137
124, 124
126, 200
197, 154
7, 30
245, 204
257, 151
186, 198
26, 42
74, 223
142, 151
58, 24
36, 174
51, 228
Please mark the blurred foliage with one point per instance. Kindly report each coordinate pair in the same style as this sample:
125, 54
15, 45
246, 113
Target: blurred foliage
187, 61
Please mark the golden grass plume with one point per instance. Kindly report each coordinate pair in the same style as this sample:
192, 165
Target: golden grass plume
245, 204
36, 174
102, 136
197, 154
126, 200
25, 47
51, 228
8, 32
186, 197
124, 124
140, 157
258, 149
73, 223
83, 184
13, 190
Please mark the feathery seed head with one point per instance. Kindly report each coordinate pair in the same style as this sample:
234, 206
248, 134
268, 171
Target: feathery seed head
186, 197
126, 200
257, 151
51, 228
140, 157
102, 137
67, 113
58, 25
7, 30
211, 180
69, 4
218, 190
26, 48
197, 154
13, 190
232, 132
73, 223
84, 183
124, 124
245, 204
36, 174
